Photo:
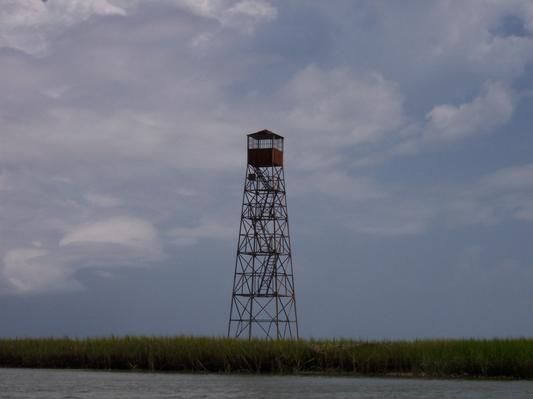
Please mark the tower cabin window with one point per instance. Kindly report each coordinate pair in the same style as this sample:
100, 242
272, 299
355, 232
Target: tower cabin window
267, 143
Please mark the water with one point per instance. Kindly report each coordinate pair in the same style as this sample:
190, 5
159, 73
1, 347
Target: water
63, 384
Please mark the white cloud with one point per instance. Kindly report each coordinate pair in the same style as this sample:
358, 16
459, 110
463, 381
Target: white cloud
253, 8
127, 231
447, 52
500, 196
56, 92
468, 32
248, 14
206, 229
390, 219
29, 270
515, 177
447, 123
460, 37
489, 110
242, 14
25, 24
510, 190
116, 242
418, 45
462, 208
342, 107
339, 185
103, 201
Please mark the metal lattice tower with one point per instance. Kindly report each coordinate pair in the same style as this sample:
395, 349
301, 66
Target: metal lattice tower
263, 302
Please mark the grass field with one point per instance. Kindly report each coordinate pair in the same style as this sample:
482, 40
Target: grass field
496, 358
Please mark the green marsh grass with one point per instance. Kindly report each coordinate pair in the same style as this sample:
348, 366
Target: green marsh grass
494, 358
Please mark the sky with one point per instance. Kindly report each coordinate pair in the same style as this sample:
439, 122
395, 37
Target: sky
408, 161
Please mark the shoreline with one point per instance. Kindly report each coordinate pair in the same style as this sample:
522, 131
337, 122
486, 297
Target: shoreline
311, 374
458, 359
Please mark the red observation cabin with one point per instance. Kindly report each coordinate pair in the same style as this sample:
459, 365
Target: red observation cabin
265, 148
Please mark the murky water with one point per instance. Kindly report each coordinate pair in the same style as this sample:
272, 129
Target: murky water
58, 384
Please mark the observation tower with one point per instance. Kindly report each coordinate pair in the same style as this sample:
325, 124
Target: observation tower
263, 303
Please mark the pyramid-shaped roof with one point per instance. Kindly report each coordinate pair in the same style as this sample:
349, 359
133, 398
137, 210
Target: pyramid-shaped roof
265, 134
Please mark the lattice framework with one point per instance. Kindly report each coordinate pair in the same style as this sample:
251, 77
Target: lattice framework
263, 298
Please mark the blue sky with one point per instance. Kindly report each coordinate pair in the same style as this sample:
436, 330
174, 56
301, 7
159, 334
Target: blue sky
409, 163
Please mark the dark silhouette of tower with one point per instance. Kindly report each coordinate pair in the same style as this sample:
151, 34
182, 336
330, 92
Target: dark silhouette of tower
263, 302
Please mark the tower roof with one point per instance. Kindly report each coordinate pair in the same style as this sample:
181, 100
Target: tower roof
265, 134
